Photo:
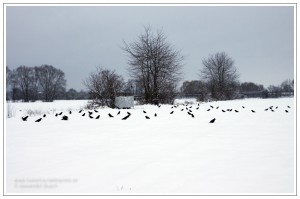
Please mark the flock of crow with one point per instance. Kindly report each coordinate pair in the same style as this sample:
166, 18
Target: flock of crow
94, 114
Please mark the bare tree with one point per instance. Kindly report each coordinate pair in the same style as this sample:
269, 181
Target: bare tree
195, 88
51, 80
155, 63
24, 77
103, 86
221, 75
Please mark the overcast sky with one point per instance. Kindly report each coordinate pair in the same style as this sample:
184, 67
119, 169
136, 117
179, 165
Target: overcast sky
77, 39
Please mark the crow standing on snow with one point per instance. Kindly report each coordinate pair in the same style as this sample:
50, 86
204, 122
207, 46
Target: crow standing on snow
208, 110
60, 113
91, 116
155, 115
64, 118
212, 121
236, 111
223, 111
56, 114
96, 111
125, 118
80, 111
286, 111
288, 106
44, 115
147, 117
83, 114
97, 117
144, 111
38, 120
118, 112
110, 115
252, 111
172, 112
25, 118
70, 112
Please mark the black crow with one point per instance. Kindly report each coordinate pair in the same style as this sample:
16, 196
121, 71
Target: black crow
217, 107
272, 110
60, 113
38, 120
288, 106
70, 112
80, 111
286, 111
212, 121
97, 117
125, 118
189, 113
90, 113
276, 107
65, 118
128, 113
83, 114
208, 110
182, 109
110, 115
190, 110
223, 111
172, 112
192, 115
147, 117
56, 114
236, 111
197, 108
91, 116
25, 118
155, 115
191, 106
144, 111
96, 111
44, 115
266, 109
243, 107
118, 112
253, 111
211, 106
172, 107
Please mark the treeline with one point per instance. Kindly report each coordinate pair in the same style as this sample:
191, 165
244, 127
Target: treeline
44, 82
201, 91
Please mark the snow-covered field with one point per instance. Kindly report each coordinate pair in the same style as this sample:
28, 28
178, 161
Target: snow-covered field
240, 153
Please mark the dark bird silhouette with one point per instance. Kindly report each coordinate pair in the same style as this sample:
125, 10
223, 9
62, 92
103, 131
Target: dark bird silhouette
25, 118
44, 115
212, 121
190, 110
56, 114
110, 115
211, 106
208, 110
172, 112
223, 111
97, 117
83, 114
276, 107
144, 111
253, 111
118, 112
217, 107
197, 108
90, 113
182, 109
191, 106
96, 111
288, 106
266, 109
272, 110
159, 106
65, 118
236, 111
147, 117
128, 113
60, 113
172, 107
38, 120
189, 113
70, 112
286, 111
80, 111
155, 115
243, 107
125, 118
192, 115
91, 116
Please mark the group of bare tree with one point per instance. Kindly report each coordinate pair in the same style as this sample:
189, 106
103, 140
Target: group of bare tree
32, 83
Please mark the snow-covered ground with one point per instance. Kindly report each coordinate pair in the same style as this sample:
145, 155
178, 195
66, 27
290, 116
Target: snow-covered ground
240, 153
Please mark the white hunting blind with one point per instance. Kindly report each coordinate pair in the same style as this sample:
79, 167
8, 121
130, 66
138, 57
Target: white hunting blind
124, 101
